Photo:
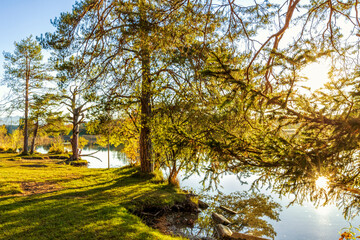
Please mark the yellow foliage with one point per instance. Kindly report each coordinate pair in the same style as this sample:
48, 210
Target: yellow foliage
82, 142
57, 146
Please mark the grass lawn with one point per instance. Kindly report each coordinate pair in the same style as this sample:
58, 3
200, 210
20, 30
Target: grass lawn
40, 199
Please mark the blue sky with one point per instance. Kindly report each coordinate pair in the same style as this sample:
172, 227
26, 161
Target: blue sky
20, 18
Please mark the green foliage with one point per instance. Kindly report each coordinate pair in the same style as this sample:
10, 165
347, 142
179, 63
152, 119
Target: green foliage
108, 131
28, 51
56, 126
122, 131
43, 121
172, 150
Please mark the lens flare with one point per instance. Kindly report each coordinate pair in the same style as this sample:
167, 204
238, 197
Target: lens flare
322, 182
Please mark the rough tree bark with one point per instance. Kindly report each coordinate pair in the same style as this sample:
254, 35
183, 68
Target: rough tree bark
145, 99
32, 150
75, 135
145, 131
26, 131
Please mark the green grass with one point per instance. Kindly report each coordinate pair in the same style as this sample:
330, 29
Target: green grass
41, 199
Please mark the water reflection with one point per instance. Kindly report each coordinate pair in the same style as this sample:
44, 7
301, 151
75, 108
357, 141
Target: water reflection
253, 210
298, 222
100, 158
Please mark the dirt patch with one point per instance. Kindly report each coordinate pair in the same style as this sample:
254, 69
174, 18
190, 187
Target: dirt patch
162, 225
30, 188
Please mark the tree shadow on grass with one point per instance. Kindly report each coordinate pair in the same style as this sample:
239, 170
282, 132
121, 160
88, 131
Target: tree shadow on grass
77, 221
96, 211
34, 166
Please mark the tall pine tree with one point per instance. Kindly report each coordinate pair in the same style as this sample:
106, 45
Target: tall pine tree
130, 43
24, 76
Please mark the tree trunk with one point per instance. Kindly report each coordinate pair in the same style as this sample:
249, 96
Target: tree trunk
172, 179
32, 150
145, 131
75, 136
173, 171
145, 99
26, 131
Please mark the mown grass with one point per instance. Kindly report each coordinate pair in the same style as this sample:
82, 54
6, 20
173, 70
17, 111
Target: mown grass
40, 199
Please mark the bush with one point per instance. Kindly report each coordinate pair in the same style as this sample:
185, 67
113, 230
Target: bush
82, 142
78, 163
57, 146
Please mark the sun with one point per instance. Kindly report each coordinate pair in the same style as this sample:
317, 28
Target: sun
322, 182
317, 74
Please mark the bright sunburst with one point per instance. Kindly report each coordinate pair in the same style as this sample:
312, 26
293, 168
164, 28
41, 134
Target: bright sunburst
322, 182
317, 74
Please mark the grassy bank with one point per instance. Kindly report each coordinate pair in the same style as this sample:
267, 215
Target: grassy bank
40, 199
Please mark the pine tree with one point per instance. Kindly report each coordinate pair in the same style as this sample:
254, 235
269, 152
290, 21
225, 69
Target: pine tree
130, 43
24, 76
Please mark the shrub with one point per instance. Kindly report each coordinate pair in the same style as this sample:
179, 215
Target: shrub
57, 146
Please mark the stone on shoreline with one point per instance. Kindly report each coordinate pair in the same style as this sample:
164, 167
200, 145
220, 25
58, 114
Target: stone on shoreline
218, 218
228, 210
223, 232
202, 205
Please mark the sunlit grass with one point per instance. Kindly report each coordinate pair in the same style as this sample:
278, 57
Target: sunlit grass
80, 203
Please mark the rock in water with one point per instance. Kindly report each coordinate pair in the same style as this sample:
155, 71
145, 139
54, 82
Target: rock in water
223, 231
218, 218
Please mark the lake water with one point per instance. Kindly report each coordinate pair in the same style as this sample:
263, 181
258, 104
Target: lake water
298, 222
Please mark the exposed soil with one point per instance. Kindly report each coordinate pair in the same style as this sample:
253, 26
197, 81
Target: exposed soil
31, 188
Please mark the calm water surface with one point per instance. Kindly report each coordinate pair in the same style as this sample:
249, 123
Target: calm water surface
298, 222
